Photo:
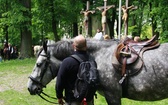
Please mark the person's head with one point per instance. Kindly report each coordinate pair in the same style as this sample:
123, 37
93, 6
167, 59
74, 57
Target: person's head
137, 39
102, 9
9, 44
124, 6
79, 43
106, 37
98, 30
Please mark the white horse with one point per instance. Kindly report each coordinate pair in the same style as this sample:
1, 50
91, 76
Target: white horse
36, 49
149, 84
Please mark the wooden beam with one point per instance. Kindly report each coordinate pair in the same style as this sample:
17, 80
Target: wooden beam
102, 7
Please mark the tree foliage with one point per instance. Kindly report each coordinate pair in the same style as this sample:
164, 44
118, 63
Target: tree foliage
53, 19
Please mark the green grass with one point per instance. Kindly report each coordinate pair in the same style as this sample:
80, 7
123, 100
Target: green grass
13, 86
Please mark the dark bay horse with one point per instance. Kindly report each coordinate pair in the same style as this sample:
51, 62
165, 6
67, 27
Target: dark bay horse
149, 84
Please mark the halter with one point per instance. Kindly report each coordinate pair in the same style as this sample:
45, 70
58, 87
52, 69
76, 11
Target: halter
39, 82
42, 74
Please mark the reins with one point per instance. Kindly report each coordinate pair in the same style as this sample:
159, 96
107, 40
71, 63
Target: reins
48, 97
43, 92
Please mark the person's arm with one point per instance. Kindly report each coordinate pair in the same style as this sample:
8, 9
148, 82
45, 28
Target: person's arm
60, 82
109, 7
99, 8
132, 6
92, 12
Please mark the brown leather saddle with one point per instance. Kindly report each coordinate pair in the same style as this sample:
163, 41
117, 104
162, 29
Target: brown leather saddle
127, 58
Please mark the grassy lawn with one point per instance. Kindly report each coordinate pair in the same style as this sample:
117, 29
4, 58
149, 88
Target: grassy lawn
13, 86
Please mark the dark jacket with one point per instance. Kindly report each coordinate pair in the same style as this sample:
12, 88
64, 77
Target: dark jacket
67, 76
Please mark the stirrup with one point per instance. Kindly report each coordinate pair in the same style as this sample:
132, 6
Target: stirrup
122, 79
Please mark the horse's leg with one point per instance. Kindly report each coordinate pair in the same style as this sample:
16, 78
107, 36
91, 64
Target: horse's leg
112, 98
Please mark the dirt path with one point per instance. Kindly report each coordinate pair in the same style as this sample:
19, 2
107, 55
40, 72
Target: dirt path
13, 81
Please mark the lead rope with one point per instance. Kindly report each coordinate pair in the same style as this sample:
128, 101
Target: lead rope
46, 99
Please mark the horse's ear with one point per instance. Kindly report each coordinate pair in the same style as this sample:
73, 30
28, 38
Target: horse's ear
45, 46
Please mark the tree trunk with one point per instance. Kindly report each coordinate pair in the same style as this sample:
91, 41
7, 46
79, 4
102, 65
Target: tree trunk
6, 25
111, 22
75, 29
6, 34
26, 44
90, 27
54, 22
134, 22
154, 24
26, 36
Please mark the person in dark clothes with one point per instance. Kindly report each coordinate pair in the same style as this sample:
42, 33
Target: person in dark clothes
67, 74
15, 52
10, 51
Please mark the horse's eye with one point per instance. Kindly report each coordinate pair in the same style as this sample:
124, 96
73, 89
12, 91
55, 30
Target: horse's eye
38, 64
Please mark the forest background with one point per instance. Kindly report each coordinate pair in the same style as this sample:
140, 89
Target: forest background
29, 22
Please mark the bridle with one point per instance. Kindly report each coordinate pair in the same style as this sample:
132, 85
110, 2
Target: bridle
48, 64
45, 69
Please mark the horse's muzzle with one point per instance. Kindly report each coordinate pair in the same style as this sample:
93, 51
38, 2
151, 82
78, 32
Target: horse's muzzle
34, 91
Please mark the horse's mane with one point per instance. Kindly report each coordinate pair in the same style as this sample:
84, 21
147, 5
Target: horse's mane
63, 48
60, 49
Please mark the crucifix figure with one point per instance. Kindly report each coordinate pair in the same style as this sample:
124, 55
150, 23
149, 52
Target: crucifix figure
104, 11
125, 13
125, 16
125, 10
86, 18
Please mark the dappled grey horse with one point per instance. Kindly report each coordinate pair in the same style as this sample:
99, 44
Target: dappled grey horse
149, 84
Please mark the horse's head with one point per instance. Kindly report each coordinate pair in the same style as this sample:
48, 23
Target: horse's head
44, 71
47, 64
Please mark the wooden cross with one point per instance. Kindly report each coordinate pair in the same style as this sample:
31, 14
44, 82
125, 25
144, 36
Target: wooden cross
104, 9
125, 16
105, 4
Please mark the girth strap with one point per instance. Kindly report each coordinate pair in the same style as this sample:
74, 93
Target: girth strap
124, 61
